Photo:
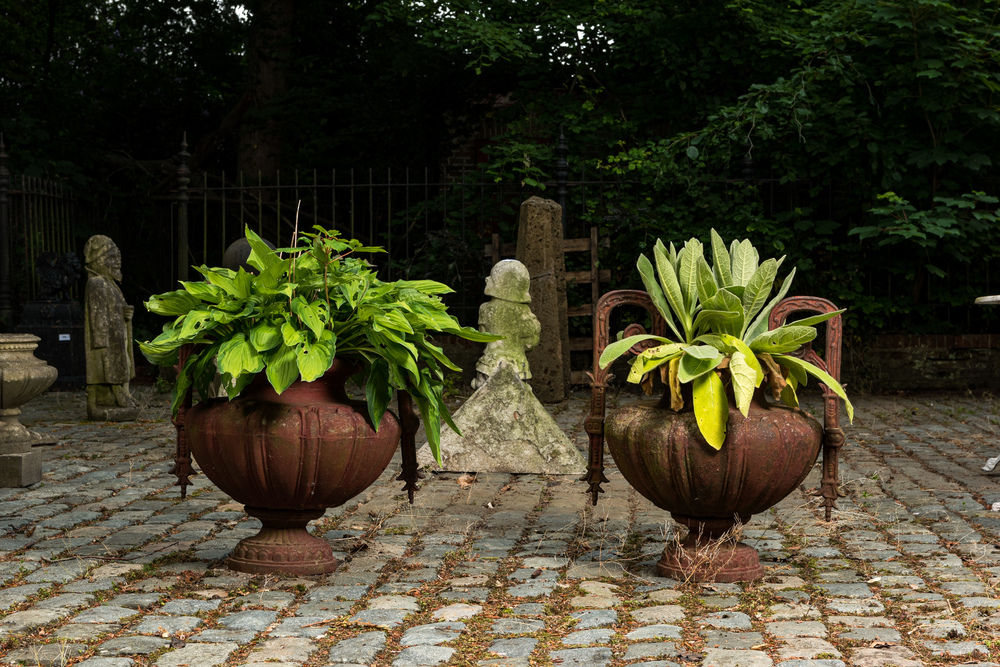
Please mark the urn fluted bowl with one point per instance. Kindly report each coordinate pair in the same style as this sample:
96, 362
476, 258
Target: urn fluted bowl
662, 454
23, 376
287, 458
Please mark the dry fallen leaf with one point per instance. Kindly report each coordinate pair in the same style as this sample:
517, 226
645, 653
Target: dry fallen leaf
466, 480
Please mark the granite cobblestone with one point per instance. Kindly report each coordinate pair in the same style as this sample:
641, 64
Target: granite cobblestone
106, 559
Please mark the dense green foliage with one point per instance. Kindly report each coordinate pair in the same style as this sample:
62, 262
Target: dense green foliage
719, 316
297, 312
867, 121
826, 130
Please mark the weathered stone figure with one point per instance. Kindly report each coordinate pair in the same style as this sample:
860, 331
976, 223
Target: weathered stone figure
504, 427
507, 314
108, 335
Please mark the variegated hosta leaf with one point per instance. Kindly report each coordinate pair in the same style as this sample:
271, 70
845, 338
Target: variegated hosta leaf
744, 381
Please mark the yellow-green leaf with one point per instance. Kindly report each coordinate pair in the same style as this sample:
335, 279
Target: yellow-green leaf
711, 408
744, 381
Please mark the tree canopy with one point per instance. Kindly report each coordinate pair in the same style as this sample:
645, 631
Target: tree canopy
854, 136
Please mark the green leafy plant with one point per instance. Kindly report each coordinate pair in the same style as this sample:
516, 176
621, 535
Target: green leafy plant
300, 311
719, 315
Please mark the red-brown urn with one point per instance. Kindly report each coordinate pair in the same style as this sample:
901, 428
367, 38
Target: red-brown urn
287, 458
662, 454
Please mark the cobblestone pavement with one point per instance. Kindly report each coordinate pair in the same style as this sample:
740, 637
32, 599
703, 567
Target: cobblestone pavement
103, 565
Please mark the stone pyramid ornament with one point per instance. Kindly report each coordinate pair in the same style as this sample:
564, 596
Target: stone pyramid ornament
506, 429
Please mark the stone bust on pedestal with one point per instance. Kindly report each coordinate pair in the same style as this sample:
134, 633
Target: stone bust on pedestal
107, 335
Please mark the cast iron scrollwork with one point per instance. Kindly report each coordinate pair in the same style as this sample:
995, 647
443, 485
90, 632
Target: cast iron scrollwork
594, 423
833, 437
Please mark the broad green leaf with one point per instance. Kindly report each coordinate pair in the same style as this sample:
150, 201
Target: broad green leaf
224, 278
711, 408
265, 336
160, 353
309, 314
687, 273
430, 413
692, 367
620, 347
282, 367
671, 288
181, 388
425, 286
707, 286
744, 263
437, 353
261, 257
820, 375
656, 292
196, 324
174, 303
721, 261
313, 360
759, 288
291, 336
237, 356
744, 381
378, 392
235, 386
203, 290
817, 319
783, 339
759, 326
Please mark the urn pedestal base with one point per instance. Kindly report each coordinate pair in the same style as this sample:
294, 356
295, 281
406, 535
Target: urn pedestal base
283, 545
709, 553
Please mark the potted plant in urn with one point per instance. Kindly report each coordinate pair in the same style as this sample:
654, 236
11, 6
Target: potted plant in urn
714, 451
283, 341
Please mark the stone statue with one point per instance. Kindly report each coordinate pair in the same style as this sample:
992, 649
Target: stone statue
108, 335
504, 426
507, 314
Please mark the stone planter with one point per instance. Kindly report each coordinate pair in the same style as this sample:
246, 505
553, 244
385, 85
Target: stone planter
664, 457
287, 458
22, 377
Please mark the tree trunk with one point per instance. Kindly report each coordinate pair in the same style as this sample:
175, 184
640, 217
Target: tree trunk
269, 57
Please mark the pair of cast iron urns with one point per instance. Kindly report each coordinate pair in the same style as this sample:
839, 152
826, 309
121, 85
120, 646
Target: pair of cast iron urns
289, 457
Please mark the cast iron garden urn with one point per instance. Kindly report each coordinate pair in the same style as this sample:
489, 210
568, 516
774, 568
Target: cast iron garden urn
287, 458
